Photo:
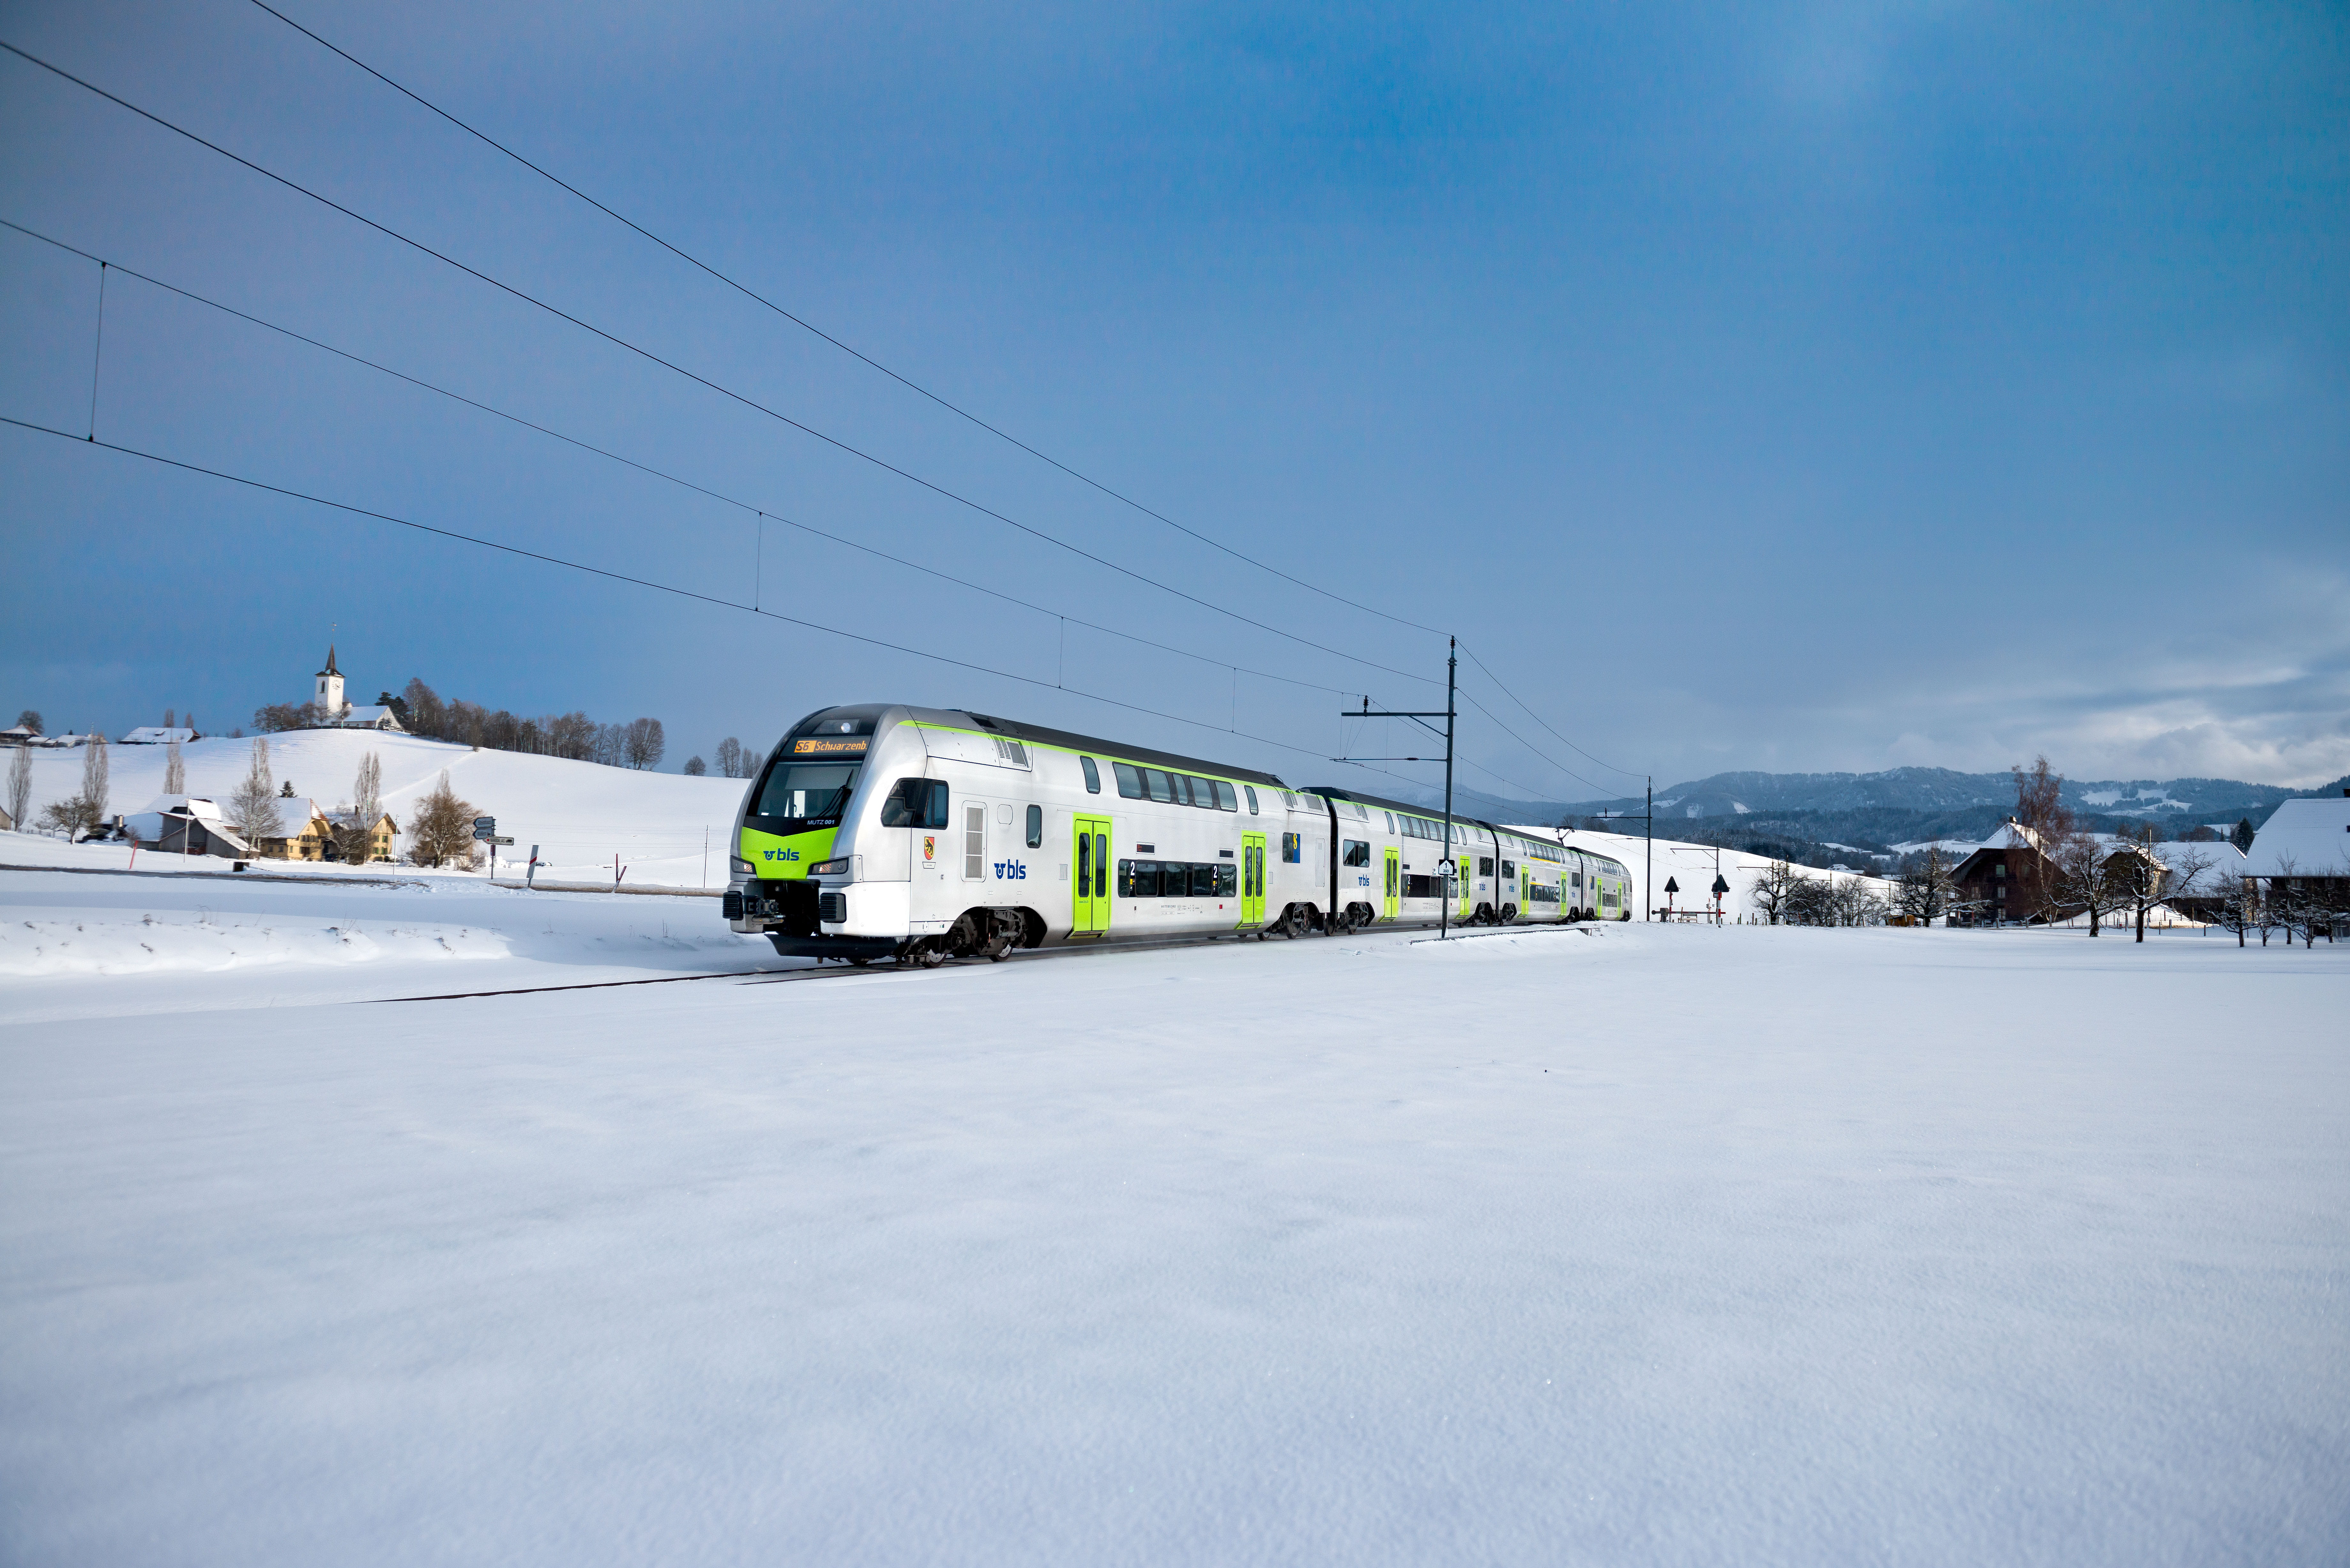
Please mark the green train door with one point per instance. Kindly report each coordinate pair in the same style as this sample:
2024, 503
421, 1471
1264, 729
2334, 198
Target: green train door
1089, 888
1468, 889
1251, 880
1395, 882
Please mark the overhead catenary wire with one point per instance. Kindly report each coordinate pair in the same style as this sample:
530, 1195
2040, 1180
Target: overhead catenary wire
1538, 719
858, 354
611, 576
762, 514
676, 368
810, 431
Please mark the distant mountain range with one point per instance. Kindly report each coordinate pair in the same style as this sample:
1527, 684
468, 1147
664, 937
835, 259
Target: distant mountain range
1809, 816
1943, 790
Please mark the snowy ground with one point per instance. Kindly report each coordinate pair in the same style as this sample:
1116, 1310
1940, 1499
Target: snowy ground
581, 815
1649, 1244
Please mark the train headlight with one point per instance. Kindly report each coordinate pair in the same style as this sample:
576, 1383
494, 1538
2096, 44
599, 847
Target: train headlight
829, 867
743, 867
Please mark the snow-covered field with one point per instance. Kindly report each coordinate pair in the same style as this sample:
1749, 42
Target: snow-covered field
581, 815
1644, 1244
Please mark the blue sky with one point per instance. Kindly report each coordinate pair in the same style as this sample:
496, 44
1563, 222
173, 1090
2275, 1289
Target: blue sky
1800, 387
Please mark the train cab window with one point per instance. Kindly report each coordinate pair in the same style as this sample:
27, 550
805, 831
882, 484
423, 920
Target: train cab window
1130, 780
1252, 794
803, 790
916, 803
1035, 826
1484, 866
1292, 848
1162, 788
1358, 852
1226, 799
1093, 775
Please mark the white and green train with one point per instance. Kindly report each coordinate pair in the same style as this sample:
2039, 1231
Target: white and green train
922, 833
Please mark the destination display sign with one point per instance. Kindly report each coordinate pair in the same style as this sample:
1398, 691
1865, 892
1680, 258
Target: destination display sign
829, 746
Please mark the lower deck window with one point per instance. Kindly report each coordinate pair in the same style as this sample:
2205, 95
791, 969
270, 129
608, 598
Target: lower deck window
1418, 887
1358, 853
1177, 880
1542, 893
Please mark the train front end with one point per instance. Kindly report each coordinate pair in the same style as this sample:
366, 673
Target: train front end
797, 850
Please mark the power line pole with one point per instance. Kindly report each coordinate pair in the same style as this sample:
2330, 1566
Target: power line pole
1422, 718
1648, 878
1444, 911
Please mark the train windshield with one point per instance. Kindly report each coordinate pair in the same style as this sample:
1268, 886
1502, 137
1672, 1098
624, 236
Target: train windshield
803, 790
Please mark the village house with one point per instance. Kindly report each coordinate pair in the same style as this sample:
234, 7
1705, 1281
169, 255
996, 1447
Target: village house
379, 837
310, 833
2010, 879
2005, 879
184, 825
2303, 851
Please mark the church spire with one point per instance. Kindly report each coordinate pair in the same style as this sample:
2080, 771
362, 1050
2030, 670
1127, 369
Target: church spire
330, 668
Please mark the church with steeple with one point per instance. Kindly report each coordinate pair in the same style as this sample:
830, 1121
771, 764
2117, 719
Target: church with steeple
335, 710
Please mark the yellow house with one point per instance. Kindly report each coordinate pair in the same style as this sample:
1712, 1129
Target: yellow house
310, 833
379, 837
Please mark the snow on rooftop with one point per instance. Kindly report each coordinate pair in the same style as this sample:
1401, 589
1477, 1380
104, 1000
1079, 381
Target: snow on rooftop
2304, 837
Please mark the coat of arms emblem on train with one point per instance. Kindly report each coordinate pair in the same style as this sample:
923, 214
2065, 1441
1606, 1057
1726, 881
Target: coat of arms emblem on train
929, 849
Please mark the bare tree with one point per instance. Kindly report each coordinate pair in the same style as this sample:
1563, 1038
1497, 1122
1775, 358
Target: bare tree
730, 758
254, 806
694, 767
274, 718
71, 816
1858, 902
30, 719
175, 770
2177, 875
2238, 907
2082, 876
1927, 892
644, 743
2300, 906
20, 786
610, 746
441, 829
1769, 893
355, 835
1810, 902
2040, 799
94, 771
2041, 811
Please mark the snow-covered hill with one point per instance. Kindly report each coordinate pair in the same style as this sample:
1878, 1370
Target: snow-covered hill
581, 815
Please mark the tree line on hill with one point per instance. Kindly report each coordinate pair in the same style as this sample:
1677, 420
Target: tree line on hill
638, 744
